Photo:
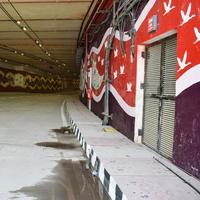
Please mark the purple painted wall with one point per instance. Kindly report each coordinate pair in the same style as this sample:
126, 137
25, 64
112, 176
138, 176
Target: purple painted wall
120, 120
187, 133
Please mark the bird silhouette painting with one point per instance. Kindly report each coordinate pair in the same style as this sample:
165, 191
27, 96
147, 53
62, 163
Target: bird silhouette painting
168, 7
183, 62
102, 62
197, 33
129, 87
99, 58
187, 16
116, 53
122, 69
115, 74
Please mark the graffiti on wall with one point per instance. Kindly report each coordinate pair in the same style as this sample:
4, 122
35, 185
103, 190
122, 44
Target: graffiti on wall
11, 80
175, 17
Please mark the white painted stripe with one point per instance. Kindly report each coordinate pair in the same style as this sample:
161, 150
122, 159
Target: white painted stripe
188, 79
127, 108
88, 152
144, 14
139, 93
101, 172
112, 187
107, 33
93, 160
62, 112
98, 98
124, 197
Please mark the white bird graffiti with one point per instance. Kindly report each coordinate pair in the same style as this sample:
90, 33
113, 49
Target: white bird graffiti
115, 74
187, 16
197, 33
182, 63
122, 69
99, 58
106, 44
102, 62
116, 53
168, 7
129, 87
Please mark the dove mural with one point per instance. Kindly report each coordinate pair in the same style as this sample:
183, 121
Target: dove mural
127, 71
197, 34
168, 7
183, 62
187, 16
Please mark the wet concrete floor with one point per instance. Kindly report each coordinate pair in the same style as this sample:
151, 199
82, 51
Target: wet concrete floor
39, 160
71, 180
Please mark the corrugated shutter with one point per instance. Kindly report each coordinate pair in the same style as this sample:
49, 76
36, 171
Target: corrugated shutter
168, 102
169, 67
159, 110
151, 117
152, 86
167, 128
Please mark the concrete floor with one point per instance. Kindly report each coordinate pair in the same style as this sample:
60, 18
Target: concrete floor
29, 171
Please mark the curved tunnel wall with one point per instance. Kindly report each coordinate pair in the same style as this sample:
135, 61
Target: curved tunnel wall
181, 19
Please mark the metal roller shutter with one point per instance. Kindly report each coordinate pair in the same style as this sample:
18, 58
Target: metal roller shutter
159, 110
167, 128
152, 85
168, 100
151, 122
169, 67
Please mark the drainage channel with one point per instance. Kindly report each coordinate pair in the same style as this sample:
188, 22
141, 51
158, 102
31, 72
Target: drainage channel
70, 179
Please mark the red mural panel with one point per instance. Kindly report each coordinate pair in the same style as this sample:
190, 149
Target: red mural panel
174, 17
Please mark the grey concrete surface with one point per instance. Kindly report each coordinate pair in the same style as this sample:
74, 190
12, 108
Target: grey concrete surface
29, 171
133, 166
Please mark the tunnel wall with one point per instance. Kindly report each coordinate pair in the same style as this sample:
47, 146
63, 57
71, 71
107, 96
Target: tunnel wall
127, 76
21, 81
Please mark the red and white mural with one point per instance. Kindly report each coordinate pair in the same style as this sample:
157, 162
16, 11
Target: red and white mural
174, 17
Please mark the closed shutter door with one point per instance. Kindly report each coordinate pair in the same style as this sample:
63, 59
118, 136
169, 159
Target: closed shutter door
159, 109
152, 87
168, 100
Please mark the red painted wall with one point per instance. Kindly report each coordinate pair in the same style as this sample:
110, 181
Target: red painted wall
174, 16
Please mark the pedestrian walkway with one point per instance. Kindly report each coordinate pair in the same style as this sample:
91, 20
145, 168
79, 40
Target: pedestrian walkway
128, 170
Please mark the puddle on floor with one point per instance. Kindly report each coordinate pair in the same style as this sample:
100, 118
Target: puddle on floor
71, 180
57, 145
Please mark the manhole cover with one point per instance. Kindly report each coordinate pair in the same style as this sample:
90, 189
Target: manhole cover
56, 145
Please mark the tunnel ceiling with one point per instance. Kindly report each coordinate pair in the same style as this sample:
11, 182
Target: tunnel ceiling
41, 33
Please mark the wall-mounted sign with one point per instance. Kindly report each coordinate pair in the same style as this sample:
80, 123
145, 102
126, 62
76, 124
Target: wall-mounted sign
153, 24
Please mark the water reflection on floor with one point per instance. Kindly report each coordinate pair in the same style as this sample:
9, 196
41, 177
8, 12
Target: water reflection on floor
70, 180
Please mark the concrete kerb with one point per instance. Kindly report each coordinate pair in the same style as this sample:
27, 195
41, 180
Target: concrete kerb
106, 179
